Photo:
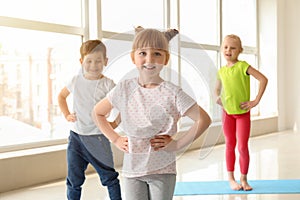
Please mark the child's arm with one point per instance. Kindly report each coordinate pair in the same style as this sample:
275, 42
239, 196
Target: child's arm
101, 110
62, 102
201, 123
218, 88
263, 81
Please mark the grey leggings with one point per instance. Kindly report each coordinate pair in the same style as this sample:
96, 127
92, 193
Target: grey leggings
150, 187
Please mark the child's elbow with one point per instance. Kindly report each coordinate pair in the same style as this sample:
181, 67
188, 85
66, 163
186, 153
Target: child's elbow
60, 98
209, 121
206, 120
266, 80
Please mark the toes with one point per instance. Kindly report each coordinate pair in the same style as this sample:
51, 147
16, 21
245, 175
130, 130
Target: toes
246, 187
235, 186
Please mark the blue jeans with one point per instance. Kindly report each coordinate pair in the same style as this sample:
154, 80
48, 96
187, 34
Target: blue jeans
96, 150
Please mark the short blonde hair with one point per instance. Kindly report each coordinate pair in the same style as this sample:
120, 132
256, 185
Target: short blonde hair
152, 38
235, 37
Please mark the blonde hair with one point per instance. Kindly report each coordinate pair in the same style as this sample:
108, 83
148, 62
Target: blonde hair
152, 38
236, 38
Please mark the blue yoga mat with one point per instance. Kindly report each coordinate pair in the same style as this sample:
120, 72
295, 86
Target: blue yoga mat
222, 187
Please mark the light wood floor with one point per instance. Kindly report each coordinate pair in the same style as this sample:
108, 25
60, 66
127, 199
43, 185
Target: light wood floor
273, 156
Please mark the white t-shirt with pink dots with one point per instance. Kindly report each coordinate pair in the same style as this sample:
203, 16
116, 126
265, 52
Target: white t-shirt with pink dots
146, 112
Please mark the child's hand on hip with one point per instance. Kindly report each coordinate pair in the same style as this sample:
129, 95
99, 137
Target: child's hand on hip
160, 141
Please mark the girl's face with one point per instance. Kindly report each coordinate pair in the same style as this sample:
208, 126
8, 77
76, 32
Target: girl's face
93, 64
231, 49
149, 61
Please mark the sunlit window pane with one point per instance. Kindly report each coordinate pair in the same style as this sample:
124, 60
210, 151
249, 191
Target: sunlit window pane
67, 12
199, 21
122, 16
33, 68
119, 64
198, 74
239, 17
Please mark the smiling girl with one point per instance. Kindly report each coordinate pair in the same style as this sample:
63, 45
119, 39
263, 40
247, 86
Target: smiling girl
150, 108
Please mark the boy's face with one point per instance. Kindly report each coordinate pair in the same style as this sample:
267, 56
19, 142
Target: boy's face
93, 65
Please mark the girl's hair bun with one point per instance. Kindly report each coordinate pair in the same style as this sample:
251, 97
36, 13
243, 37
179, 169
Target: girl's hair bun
169, 34
138, 29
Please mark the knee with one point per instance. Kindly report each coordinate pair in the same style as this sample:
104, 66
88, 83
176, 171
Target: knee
243, 150
230, 146
110, 179
75, 182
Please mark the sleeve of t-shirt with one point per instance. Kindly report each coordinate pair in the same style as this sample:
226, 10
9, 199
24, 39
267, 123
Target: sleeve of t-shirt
245, 68
113, 95
71, 84
184, 102
111, 85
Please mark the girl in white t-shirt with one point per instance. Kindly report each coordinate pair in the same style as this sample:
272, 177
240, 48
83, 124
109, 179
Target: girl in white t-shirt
150, 109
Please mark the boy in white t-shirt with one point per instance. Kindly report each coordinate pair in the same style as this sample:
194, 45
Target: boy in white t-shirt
87, 145
150, 109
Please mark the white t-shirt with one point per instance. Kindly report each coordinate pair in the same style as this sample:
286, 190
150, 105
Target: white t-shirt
86, 93
146, 112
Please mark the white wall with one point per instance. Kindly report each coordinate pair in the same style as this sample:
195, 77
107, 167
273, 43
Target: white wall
288, 53
267, 43
292, 62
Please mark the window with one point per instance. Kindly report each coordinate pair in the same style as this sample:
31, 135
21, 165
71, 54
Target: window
36, 59
66, 12
198, 67
119, 64
199, 21
240, 21
39, 52
122, 16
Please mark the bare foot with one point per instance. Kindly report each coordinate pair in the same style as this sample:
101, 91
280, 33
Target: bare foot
245, 184
235, 185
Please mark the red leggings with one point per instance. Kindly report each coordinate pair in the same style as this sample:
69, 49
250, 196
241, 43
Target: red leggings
236, 129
